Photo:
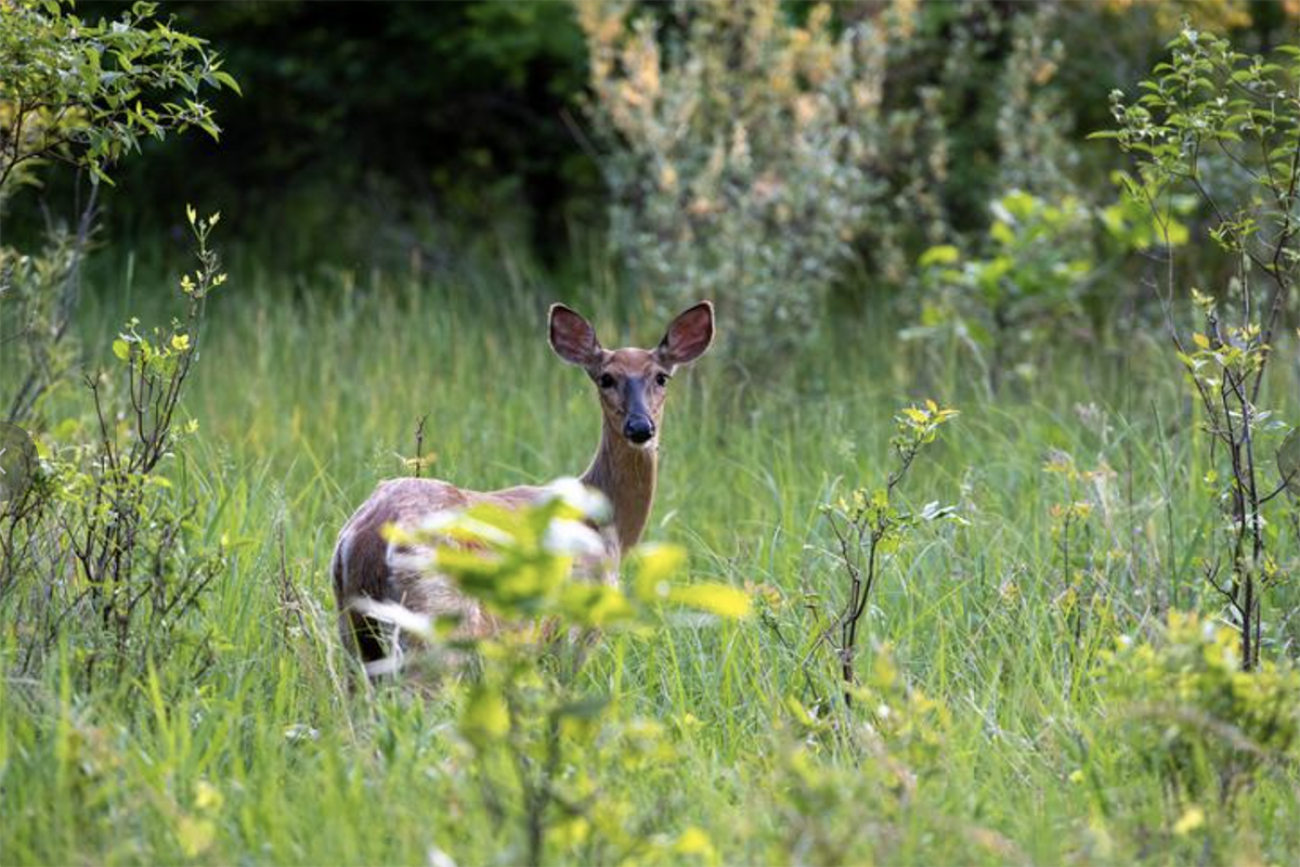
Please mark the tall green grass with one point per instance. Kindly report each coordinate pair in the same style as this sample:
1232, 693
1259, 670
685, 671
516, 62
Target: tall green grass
309, 391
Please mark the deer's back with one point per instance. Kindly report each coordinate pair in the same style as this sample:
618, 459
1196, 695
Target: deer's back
366, 564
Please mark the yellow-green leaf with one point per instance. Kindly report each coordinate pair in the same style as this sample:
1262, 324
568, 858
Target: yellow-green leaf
693, 841
207, 796
716, 599
944, 254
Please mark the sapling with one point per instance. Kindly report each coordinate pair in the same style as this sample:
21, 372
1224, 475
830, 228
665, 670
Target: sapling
1226, 126
870, 524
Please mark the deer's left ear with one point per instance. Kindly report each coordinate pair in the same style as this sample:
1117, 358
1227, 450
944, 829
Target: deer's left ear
688, 336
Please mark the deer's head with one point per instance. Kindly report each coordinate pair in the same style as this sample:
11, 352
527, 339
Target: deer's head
632, 383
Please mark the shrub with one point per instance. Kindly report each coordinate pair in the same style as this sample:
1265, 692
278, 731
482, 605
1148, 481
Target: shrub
1033, 121
99, 538
1027, 286
745, 156
869, 525
91, 92
82, 94
762, 161
1039, 271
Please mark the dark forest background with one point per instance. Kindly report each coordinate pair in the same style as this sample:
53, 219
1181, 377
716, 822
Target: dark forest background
470, 115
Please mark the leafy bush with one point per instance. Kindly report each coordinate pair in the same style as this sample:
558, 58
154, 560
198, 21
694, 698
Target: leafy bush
868, 526
762, 160
99, 537
1040, 272
976, 105
103, 512
82, 94
1029, 286
93, 91
1033, 119
745, 154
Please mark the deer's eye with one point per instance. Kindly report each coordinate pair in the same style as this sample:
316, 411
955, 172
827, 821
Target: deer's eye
606, 381
661, 379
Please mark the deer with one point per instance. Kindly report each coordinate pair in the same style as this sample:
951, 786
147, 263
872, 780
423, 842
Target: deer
631, 386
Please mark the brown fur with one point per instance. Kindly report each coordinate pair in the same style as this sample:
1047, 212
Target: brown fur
366, 564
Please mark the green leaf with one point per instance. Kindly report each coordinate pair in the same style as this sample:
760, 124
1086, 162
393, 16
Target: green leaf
944, 254
595, 605
121, 349
228, 80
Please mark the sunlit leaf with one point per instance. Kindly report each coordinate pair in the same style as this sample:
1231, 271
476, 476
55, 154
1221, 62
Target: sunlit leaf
944, 254
718, 599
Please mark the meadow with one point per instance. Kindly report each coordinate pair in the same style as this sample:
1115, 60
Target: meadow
976, 531
305, 399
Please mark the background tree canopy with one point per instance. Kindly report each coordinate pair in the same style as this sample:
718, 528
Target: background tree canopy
459, 103
474, 110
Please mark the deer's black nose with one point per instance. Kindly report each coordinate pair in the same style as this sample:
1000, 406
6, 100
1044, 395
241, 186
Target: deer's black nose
638, 429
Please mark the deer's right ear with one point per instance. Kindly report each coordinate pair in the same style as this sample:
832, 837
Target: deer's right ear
573, 338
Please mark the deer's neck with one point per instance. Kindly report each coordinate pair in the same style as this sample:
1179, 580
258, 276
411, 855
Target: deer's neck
626, 476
